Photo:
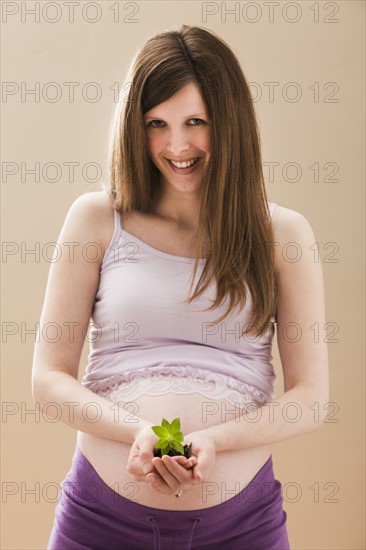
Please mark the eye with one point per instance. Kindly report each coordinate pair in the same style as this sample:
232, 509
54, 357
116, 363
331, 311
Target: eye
199, 120
153, 125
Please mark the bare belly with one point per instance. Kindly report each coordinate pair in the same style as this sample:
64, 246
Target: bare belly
232, 471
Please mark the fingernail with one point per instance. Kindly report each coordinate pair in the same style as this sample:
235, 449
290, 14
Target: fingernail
199, 474
146, 468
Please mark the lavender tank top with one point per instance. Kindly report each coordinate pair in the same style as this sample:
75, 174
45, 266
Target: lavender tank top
144, 340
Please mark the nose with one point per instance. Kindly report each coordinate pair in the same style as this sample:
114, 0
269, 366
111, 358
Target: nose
178, 142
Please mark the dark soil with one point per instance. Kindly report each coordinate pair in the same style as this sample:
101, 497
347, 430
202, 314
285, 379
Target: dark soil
173, 452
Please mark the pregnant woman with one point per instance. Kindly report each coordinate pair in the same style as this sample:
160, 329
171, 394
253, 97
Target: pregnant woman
179, 273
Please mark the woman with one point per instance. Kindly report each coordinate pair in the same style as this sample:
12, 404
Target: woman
185, 208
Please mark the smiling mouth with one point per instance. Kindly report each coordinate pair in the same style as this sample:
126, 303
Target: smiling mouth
184, 164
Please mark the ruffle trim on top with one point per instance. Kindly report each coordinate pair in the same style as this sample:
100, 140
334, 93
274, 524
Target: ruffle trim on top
182, 379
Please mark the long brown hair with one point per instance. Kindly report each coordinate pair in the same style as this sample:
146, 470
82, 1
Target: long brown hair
234, 210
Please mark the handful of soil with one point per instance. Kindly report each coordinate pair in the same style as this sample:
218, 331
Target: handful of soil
187, 452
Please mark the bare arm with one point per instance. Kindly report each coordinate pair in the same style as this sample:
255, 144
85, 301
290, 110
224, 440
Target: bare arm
304, 360
71, 288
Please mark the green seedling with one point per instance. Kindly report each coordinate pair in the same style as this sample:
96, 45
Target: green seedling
170, 437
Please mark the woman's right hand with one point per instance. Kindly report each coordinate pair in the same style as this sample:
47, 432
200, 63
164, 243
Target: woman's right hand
140, 459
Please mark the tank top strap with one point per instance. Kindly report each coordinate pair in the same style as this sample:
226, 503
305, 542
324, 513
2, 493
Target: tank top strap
272, 207
117, 223
114, 244
117, 231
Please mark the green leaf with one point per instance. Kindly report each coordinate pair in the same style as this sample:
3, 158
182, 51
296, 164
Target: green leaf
175, 425
178, 436
165, 450
160, 431
165, 424
177, 446
161, 444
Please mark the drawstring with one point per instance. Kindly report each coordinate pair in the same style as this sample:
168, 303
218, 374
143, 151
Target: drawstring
196, 520
156, 532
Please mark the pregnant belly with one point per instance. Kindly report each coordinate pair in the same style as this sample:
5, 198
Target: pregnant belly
232, 471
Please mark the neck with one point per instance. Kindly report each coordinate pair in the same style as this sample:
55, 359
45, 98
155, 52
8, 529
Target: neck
182, 209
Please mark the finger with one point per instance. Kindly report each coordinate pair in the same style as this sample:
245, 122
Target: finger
197, 473
135, 466
158, 483
203, 465
181, 474
145, 455
146, 462
187, 464
136, 476
167, 476
182, 459
192, 463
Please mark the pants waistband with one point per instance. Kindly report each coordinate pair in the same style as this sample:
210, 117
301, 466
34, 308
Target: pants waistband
84, 482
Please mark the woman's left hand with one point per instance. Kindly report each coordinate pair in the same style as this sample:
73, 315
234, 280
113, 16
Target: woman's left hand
169, 477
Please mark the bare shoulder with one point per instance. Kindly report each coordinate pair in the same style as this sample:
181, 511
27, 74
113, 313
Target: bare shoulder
285, 221
95, 211
293, 237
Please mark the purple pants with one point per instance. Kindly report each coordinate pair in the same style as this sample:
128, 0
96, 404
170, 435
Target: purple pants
90, 515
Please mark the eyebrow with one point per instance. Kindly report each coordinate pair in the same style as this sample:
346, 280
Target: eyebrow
188, 116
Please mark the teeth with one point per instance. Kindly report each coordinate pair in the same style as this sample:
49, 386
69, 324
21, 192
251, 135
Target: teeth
184, 164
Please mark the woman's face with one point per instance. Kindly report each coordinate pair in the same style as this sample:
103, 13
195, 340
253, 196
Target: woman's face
179, 130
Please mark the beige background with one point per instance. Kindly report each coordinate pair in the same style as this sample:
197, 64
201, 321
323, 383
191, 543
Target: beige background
322, 473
